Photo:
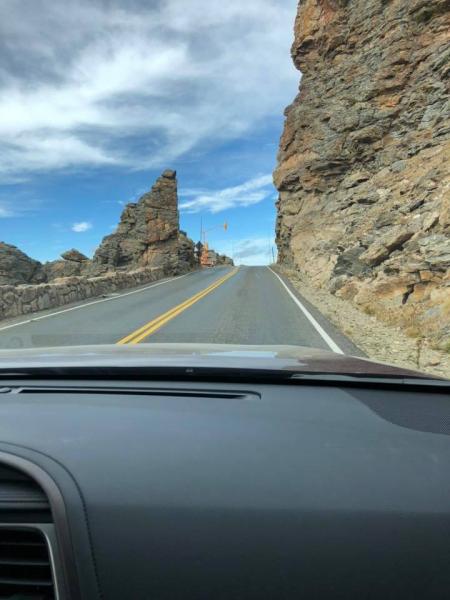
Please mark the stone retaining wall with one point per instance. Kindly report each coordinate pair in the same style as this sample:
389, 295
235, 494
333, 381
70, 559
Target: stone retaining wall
26, 299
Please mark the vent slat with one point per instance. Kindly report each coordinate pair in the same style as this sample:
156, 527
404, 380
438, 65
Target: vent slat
21, 543
23, 494
27, 582
25, 567
33, 562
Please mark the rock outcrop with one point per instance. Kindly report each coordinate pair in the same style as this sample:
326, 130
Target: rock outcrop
17, 268
73, 263
363, 166
148, 232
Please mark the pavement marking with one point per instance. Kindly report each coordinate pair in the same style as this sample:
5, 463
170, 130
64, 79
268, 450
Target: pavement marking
116, 297
320, 330
140, 334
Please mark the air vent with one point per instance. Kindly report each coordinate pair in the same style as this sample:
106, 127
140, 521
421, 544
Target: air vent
29, 557
25, 567
21, 498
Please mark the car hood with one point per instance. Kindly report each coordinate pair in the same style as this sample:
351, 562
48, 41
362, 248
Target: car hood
294, 359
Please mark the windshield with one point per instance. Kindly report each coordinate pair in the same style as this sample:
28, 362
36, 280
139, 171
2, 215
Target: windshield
154, 188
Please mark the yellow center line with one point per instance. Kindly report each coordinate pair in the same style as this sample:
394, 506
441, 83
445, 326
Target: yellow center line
139, 334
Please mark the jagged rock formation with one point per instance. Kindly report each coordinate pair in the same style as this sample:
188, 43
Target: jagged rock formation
16, 267
363, 166
148, 232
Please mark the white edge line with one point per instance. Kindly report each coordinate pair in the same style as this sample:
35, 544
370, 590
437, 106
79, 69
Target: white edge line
60, 312
320, 330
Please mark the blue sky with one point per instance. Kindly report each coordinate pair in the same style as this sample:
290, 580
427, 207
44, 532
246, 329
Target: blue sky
96, 101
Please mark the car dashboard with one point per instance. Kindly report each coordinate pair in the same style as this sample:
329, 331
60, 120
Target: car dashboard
222, 490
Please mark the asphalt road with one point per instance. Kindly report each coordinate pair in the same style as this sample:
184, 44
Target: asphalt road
245, 305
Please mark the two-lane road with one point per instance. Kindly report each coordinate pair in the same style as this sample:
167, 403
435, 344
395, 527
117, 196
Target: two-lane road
245, 305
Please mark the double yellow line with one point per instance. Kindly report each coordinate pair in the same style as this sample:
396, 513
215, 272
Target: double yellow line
140, 334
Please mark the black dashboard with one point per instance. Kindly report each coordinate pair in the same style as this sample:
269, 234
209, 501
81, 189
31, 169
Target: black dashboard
205, 490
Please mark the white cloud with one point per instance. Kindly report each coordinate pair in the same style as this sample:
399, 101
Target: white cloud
5, 212
22, 203
82, 78
81, 227
251, 192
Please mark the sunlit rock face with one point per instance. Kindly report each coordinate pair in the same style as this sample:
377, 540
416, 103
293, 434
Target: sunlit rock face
363, 167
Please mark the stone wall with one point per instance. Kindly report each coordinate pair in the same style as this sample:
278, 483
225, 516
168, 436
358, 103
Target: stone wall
16, 300
363, 167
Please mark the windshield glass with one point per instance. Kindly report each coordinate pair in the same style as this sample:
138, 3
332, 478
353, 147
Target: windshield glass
154, 188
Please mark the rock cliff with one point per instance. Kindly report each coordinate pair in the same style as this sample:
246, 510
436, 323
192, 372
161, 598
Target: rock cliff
363, 165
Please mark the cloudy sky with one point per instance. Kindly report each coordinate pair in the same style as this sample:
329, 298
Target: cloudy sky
97, 97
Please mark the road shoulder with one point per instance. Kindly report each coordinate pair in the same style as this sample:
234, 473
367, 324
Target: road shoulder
342, 341
374, 339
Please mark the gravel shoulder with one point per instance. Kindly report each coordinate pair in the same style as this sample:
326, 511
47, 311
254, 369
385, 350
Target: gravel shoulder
379, 341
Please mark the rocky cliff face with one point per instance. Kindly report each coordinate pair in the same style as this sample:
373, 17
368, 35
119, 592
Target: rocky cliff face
363, 166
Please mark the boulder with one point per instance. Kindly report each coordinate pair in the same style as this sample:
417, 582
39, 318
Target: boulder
74, 255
